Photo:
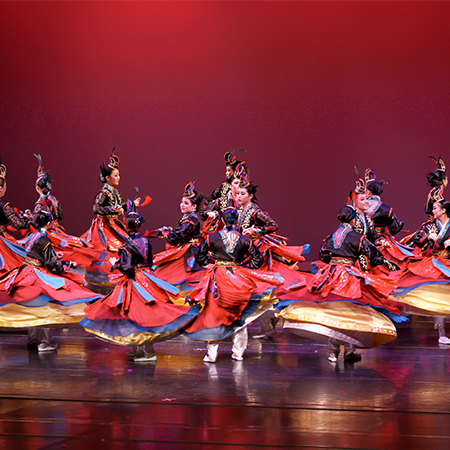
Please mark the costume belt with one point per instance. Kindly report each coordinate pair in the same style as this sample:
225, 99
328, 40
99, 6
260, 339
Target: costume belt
194, 241
444, 253
222, 262
32, 262
337, 260
109, 216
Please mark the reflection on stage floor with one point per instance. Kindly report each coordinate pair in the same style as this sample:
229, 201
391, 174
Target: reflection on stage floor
285, 394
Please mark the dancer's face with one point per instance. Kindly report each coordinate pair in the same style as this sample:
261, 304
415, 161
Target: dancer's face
438, 211
228, 171
243, 197
113, 179
186, 206
362, 202
3, 190
235, 186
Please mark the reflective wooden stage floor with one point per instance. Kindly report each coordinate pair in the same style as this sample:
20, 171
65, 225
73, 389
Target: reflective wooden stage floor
285, 394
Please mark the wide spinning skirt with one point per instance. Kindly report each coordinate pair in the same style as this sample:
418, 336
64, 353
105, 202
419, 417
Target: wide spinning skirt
177, 266
232, 297
425, 287
345, 299
358, 325
138, 311
32, 296
11, 254
106, 235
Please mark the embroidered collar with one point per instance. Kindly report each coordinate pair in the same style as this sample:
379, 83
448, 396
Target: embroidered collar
340, 233
442, 229
230, 240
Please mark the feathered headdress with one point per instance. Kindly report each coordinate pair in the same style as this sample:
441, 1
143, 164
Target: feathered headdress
230, 157
189, 190
372, 184
439, 176
114, 160
44, 180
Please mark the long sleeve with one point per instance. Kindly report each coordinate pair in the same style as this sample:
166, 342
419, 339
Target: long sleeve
126, 265
395, 225
264, 223
181, 234
14, 219
50, 260
201, 253
102, 207
256, 257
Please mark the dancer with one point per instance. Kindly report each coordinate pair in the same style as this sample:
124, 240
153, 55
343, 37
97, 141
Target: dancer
38, 295
341, 303
177, 264
139, 310
424, 286
11, 253
386, 223
231, 163
107, 232
70, 248
279, 257
230, 291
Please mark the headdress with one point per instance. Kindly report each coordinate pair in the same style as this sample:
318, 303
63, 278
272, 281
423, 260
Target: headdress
229, 215
438, 182
41, 218
106, 169
439, 176
360, 188
189, 190
43, 178
230, 157
2, 170
114, 160
372, 184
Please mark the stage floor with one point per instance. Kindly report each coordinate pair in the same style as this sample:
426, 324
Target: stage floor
285, 394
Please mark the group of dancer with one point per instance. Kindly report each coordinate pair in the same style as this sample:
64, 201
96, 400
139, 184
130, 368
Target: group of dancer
224, 266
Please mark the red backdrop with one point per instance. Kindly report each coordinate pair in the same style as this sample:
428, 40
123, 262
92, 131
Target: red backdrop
310, 89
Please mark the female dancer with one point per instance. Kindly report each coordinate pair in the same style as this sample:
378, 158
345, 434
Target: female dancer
177, 264
37, 294
230, 290
280, 258
211, 214
70, 248
139, 310
386, 223
231, 163
364, 225
425, 284
11, 253
341, 303
107, 232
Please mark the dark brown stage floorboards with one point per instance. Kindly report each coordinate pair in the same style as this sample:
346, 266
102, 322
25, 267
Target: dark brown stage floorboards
285, 394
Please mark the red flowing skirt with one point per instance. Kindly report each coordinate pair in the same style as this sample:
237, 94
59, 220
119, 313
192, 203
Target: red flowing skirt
141, 300
226, 291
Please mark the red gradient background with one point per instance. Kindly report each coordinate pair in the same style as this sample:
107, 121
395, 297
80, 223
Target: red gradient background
310, 89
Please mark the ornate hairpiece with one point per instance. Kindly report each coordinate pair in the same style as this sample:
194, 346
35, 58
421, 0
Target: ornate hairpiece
189, 190
113, 160
439, 176
2, 170
360, 184
369, 175
230, 157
